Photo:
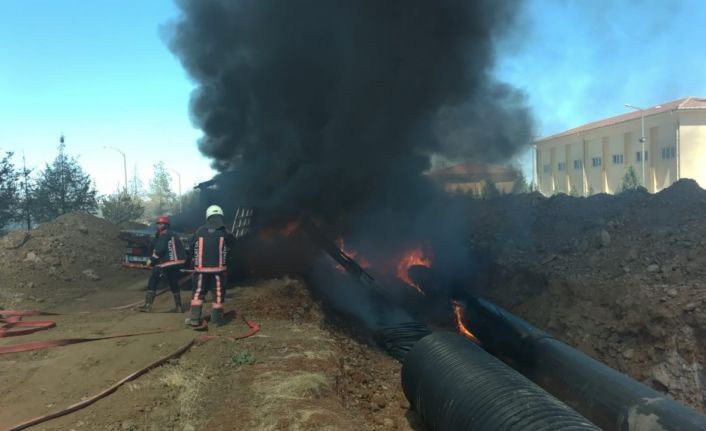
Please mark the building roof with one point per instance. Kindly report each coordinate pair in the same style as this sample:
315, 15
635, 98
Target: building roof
474, 172
679, 104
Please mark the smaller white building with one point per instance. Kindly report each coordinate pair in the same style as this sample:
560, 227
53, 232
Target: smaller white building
595, 157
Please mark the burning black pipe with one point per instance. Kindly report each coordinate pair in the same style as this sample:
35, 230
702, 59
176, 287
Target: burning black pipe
455, 385
392, 327
610, 399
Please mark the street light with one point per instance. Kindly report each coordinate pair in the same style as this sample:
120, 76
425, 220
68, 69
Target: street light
179, 185
124, 163
642, 135
533, 155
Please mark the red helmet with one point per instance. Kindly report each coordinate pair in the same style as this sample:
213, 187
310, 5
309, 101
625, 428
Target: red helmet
163, 219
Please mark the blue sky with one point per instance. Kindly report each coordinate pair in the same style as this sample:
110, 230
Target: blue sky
99, 72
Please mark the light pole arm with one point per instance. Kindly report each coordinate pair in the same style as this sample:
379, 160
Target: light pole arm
124, 163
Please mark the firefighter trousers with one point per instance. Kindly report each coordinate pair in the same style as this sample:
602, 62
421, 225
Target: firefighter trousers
171, 273
209, 282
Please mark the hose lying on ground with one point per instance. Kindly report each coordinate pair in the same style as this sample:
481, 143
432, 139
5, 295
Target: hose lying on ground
253, 328
455, 385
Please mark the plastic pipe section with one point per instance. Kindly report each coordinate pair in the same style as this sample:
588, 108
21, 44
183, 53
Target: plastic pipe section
455, 385
610, 399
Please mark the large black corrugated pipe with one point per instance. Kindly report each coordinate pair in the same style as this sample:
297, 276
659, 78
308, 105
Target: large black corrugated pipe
398, 338
455, 385
610, 399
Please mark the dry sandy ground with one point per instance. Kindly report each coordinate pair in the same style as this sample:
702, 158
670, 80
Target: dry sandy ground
293, 375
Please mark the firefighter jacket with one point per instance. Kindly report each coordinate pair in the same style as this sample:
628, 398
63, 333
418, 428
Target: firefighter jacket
167, 250
210, 248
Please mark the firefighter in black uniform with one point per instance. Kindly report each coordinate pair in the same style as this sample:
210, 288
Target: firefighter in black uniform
168, 257
210, 246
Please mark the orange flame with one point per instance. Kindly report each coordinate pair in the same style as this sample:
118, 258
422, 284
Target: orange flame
458, 314
269, 233
361, 260
412, 257
290, 228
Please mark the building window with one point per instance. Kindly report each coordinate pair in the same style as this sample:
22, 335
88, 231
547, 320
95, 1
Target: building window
578, 164
596, 161
638, 156
669, 152
547, 169
617, 159
561, 166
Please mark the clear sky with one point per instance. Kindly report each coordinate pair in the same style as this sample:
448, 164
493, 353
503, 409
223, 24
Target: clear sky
99, 72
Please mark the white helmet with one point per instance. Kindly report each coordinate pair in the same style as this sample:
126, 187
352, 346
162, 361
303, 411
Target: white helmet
213, 210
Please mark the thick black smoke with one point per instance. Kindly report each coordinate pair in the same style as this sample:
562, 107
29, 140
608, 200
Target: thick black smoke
335, 106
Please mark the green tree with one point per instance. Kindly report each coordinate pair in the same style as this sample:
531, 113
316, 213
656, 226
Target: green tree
630, 181
63, 187
490, 190
26, 196
8, 190
136, 187
121, 207
160, 195
520, 185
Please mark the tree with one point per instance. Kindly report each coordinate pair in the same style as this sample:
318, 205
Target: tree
121, 207
160, 195
8, 190
490, 190
63, 187
520, 185
630, 181
26, 196
136, 186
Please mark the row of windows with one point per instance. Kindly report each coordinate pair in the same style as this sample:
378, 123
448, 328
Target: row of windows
667, 153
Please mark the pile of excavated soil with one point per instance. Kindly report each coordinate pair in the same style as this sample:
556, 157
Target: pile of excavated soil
74, 251
622, 278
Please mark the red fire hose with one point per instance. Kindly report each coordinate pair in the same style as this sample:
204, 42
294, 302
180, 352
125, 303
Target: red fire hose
253, 328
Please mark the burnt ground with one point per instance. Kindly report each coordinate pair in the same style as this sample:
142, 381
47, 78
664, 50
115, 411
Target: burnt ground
621, 278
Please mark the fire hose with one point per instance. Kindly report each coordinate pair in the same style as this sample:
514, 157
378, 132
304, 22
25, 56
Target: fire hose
253, 328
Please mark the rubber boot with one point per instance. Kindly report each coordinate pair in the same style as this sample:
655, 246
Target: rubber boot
178, 307
149, 299
195, 317
217, 316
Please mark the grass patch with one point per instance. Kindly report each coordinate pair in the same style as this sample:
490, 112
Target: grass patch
243, 357
190, 386
278, 385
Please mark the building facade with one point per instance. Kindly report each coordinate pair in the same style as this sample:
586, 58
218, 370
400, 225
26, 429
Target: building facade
595, 157
470, 178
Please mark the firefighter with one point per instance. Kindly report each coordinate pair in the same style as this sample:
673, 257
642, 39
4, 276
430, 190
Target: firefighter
210, 246
168, 256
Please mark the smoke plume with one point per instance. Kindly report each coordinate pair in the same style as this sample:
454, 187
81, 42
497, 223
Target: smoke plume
335, 107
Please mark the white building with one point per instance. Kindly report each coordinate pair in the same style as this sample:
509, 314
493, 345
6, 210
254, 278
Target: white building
594, 158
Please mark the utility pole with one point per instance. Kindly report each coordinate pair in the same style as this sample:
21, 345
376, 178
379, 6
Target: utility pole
124, 164
179, 185
642, 137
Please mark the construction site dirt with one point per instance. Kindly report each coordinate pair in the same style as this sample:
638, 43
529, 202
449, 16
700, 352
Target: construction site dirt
621, 278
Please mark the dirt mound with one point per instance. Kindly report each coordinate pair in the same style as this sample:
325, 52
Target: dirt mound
620, 277
73, 251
